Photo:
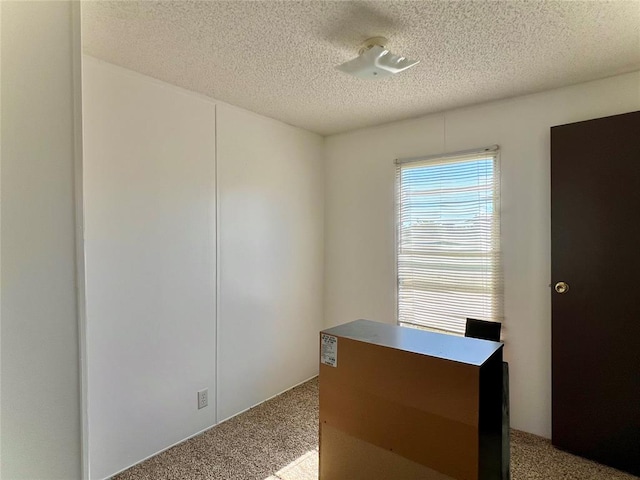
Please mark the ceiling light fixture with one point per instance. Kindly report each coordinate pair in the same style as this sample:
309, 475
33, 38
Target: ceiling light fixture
376, 61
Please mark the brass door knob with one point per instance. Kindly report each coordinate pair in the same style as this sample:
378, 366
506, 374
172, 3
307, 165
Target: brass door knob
562, 287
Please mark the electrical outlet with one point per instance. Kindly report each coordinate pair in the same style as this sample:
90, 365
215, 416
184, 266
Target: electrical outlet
203, 398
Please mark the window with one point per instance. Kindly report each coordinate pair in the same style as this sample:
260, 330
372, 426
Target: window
448, 245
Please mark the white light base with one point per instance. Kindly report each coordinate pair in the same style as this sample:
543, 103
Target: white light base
376, 62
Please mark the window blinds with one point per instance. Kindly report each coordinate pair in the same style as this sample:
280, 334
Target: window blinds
448, 246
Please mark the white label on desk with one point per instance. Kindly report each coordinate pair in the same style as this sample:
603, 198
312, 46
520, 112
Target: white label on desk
329, 352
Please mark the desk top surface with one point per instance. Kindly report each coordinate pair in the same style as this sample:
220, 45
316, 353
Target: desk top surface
471, 351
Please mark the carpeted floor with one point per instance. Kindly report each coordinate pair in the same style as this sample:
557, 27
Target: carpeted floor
278, 441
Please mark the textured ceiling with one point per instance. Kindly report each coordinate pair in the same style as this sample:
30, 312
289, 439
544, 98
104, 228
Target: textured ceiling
278, 58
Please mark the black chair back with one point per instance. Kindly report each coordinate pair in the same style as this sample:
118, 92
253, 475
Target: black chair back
483, 329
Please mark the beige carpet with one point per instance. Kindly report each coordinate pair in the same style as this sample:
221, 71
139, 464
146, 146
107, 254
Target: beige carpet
278, 441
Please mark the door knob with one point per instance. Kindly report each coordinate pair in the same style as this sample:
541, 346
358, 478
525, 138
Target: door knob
562, 287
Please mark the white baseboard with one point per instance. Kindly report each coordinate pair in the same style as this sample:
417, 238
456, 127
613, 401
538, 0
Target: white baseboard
271, 397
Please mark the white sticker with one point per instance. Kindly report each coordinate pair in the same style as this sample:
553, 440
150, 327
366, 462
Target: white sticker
329, 353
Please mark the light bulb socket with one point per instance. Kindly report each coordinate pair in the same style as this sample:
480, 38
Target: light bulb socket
372, 42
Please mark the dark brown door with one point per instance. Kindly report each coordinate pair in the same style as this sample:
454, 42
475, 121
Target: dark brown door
595, 244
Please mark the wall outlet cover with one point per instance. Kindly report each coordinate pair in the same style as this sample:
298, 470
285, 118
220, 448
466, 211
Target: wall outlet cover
203, 398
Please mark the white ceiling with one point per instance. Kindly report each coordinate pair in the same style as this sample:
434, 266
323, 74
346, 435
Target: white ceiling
276, 58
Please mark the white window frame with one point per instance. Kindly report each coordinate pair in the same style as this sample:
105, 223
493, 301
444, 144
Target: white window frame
497, 282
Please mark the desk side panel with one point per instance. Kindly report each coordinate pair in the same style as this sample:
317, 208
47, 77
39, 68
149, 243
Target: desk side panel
490, 419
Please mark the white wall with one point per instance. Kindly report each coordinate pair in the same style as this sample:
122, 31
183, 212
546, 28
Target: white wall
360, 217
149, 181
151, 175
270, 180
40, 369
